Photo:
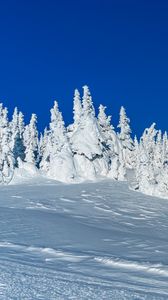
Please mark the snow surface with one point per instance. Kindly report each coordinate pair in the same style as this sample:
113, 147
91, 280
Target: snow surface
82, 241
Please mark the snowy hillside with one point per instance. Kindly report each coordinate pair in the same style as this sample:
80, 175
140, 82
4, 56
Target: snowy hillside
82, 241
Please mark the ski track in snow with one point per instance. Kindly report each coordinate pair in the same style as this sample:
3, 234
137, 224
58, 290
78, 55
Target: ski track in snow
85, 241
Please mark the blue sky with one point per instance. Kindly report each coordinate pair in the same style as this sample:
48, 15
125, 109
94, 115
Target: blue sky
118, 48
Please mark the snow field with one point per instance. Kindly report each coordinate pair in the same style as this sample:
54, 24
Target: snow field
82, 241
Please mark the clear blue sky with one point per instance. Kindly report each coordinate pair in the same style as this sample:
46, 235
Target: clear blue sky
119, 48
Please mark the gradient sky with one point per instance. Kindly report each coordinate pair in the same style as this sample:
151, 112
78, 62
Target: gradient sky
118, 48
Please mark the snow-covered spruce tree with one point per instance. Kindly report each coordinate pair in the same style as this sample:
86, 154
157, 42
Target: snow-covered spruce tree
44, 148
161, 165
135, 152
90, 154
125, 138
57, 160
145, 165
14, 124
158, 153
165, 150
21, 123
77, 108
112, 144
17, 142
151, 168
161, 189
31, 141
6, 155
40, 147
77, 113
87, 103
148, 140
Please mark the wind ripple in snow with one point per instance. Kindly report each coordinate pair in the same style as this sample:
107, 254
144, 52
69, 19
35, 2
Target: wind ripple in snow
156, 269
49, 253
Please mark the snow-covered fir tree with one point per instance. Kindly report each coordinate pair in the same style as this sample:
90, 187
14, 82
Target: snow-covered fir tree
77, 108
161, 163
77, 113
165, 150
87, 103
145, 164
158, 155
125, 138
17, 141
31, 141
44, 150
42, 144
14, 123
21, 124
112, 145
90, 154
6, 154
57, 159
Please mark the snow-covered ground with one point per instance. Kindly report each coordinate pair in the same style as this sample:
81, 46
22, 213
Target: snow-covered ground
82, 241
